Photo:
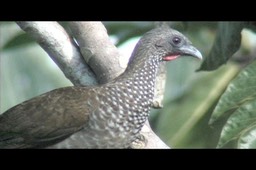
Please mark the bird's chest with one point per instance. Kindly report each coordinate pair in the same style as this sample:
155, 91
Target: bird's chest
121, 112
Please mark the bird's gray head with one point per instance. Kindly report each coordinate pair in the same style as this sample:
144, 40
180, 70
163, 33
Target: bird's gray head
163, 44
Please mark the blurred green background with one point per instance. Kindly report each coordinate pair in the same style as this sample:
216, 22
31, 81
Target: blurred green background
190, 96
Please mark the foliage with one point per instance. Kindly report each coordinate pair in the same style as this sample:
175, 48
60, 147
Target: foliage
213, 107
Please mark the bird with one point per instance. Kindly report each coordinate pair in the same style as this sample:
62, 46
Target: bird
108, 115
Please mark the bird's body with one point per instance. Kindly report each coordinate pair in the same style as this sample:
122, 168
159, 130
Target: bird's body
106, 116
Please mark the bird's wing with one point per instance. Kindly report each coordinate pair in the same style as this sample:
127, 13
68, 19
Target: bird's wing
46, 119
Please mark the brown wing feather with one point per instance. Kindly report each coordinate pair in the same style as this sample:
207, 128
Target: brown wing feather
46, 119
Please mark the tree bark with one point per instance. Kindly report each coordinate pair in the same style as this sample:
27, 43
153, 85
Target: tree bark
53, 38
97, 51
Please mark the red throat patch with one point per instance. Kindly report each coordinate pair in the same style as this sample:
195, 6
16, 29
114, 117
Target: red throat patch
169, 58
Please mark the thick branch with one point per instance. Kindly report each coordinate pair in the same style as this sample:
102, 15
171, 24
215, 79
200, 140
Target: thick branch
155, 142
97, 49
57, 43
160, 87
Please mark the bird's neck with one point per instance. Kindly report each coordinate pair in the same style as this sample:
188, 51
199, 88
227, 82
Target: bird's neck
141, 75
144, 71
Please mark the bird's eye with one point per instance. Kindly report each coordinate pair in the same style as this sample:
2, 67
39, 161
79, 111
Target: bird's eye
176, 40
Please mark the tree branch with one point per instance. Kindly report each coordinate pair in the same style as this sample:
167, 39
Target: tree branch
97, 50
154, 141
58, 44
160, 87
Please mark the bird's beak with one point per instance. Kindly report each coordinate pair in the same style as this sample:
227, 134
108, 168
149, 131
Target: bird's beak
190, 50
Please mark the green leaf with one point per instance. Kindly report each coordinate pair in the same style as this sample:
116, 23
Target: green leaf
227, 42
240, 91
126, 30
252, 26
248, 139
239, 126
18, 40
180, 122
